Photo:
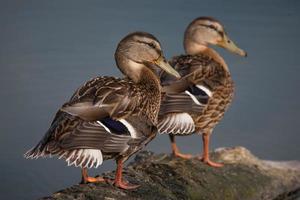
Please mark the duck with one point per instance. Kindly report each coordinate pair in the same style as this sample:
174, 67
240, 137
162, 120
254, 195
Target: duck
108, 117
197, 102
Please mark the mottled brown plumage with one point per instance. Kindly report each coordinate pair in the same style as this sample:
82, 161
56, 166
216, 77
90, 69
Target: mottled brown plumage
108, 117
197, 102
198, 70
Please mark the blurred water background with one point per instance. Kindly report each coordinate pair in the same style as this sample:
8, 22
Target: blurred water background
49, 48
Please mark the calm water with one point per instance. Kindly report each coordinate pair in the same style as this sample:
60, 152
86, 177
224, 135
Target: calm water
49, 48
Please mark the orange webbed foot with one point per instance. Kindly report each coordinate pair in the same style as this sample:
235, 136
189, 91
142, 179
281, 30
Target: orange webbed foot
89, 179
213, 164
125, 186
209, 162
183, 156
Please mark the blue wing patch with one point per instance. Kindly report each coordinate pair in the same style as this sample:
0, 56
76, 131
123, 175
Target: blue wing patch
115, 126
201, 95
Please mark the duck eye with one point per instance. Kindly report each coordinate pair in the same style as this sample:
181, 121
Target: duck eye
221, 33
151, 45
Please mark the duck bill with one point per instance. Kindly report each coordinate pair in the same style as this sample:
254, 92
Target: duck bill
164, 65
228, 44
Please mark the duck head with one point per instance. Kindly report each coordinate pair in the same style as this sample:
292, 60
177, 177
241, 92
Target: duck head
205, 31
140, 50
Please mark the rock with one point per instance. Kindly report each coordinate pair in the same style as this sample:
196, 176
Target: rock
162, 176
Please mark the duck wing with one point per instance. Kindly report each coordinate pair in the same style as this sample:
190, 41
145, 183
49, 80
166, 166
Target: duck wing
175, 115
187, 96
102, 97
84, 137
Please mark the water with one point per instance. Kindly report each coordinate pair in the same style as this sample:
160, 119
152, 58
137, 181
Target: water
49, 48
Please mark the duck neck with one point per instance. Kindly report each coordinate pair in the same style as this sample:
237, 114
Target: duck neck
193, 48
148, 82
137, 72
142, 75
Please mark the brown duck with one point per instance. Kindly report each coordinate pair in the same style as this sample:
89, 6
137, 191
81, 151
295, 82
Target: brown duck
198, 101
107, 117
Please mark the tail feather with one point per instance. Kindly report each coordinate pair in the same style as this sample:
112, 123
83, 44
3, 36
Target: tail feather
48, 146
35, 152
79, 157
176, 123
40, 148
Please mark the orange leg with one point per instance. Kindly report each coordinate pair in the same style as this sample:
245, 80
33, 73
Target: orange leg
87, 179
118, 179
176, 151
205, 156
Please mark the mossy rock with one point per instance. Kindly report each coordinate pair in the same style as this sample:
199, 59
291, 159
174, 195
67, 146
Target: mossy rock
162, 176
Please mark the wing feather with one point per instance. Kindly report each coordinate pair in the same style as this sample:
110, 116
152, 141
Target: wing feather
102, 97
176, 123
177, 103
79, 142
75, 134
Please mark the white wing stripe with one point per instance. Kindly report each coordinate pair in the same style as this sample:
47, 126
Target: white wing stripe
105, 127
130, 128
205, 89
193, 98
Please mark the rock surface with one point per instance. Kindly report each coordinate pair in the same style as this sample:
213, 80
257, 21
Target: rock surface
162, 176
